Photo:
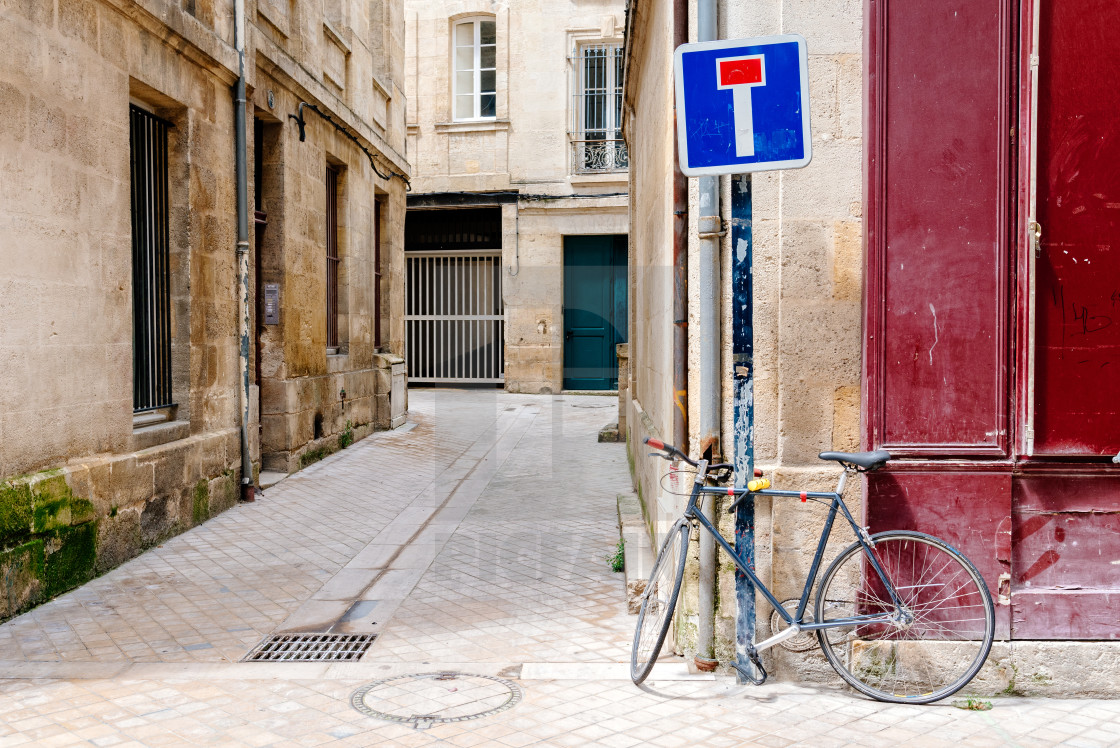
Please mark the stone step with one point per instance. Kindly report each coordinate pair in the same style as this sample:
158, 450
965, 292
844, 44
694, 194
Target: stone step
637, 550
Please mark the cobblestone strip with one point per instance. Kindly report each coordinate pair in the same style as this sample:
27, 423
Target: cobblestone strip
365, 593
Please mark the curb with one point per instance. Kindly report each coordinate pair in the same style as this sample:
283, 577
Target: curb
637, 552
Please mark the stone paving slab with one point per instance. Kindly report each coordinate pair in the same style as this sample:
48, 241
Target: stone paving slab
475, 541
294, 712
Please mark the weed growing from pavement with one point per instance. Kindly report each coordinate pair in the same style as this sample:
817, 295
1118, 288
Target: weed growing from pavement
972, 704
616, 559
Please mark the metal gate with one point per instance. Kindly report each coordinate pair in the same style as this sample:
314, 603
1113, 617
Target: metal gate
454, 316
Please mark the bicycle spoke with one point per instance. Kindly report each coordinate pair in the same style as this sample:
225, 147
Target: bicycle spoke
931, 646
658, 601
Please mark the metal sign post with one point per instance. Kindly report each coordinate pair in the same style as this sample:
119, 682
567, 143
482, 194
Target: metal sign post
742, 401
743, 106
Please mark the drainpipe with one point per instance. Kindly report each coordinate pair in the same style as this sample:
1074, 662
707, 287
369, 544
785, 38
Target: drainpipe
680, 266
240, 158
710, 232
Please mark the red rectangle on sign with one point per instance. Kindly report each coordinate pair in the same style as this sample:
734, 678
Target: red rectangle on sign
740, 72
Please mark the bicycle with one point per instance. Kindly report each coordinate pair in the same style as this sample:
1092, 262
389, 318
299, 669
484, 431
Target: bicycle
901, 616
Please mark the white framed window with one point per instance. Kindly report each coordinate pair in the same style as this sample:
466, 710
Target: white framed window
474, 60
596, 130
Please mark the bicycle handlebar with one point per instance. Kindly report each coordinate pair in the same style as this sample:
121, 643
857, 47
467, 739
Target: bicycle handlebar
671, 451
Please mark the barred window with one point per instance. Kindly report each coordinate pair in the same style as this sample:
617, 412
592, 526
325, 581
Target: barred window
596, 131
475, 65
151, 280
332, 258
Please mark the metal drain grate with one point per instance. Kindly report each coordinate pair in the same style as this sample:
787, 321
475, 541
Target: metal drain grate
311, 648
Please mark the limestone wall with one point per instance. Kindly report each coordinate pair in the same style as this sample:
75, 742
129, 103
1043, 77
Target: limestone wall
84, 484
807, 286
309, 396
534, 296
807, 281
648, 128
526, 143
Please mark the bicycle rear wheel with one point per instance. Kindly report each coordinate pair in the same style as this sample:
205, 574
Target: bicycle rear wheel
934, 646
658, 601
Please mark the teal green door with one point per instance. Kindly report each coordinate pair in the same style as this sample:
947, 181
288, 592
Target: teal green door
594, 310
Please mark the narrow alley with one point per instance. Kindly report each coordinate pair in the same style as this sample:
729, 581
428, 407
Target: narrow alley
473, 543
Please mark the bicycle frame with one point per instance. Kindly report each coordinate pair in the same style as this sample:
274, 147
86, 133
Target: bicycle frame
796, 622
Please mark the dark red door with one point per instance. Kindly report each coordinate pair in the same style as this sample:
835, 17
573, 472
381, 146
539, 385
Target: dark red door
1066, 504
1004, 423
1077, 375
939, 282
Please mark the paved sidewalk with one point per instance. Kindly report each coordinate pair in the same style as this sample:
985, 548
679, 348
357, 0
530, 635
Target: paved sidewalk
473, 541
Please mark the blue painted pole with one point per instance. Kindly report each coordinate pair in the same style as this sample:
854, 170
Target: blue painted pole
742, 350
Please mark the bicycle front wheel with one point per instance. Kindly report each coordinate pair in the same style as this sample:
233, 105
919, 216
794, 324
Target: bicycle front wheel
658, 601
934, 644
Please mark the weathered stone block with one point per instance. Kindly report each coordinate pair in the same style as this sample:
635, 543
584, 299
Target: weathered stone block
158, 519
15, 510
169, 466
20, 571
14, 102
806, 272
223, 493
78, 19
823, 73
131, 481
845, 419
200, 502
118, 538
50, 502
23, 52
847, 261
71, 557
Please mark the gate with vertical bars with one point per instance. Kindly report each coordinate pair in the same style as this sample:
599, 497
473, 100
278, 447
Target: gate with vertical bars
454, 316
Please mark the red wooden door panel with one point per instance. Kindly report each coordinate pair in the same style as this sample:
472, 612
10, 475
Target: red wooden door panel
938, 182
970, 510
1077, 375
1065, 557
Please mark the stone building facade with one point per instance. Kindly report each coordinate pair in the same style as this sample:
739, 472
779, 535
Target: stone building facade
120, 385
520, 178
807, 290
914, 291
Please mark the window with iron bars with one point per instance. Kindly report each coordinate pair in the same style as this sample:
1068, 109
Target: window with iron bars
596, 130
151, 280
332, 259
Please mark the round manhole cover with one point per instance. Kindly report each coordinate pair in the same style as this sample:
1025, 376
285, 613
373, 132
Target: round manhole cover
435, 698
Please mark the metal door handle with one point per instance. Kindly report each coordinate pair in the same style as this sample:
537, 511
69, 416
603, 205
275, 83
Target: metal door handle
568, 335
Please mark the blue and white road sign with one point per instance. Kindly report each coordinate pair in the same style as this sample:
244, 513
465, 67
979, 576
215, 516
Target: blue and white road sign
743, 105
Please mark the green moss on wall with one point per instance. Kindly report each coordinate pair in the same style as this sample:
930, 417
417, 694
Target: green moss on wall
81, 511
201, 502
50, 500
39, 504
312, 456
20, 571
71, 555
30, 552
15, 511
